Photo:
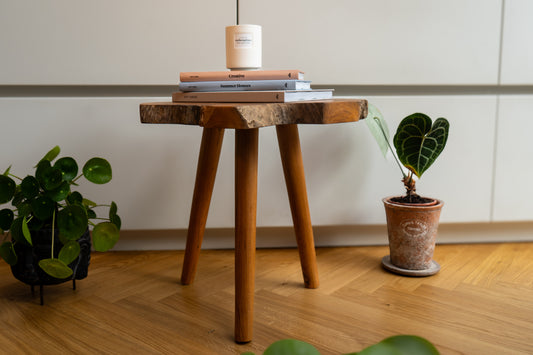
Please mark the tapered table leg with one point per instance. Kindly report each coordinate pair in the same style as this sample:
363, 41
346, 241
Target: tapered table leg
203, 188
246, 149
293, 168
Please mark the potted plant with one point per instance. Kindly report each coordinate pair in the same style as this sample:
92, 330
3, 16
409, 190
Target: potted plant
45, 232
412, 220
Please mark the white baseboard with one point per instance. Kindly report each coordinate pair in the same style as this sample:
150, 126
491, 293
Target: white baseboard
325, 236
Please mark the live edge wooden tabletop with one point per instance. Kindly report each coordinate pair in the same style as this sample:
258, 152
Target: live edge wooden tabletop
254, 115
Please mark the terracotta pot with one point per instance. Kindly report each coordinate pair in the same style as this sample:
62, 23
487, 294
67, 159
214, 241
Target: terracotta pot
412, 232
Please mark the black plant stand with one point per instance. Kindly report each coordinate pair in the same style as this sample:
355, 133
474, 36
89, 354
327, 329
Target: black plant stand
27, 268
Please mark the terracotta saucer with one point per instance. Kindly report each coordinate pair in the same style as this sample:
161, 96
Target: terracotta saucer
432, 270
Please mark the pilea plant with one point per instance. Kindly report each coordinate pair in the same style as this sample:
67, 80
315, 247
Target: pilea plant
395, 345
418, 142
45, 200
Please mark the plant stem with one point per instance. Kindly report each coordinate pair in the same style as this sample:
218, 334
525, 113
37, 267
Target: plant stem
15, 176
53, 231
79, 176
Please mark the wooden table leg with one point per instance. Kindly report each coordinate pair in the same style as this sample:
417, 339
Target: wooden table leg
291, 157
246, 149
203, 188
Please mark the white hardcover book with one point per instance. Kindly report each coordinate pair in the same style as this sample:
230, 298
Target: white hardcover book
249, 85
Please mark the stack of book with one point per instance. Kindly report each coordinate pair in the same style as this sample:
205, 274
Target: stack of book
247, 86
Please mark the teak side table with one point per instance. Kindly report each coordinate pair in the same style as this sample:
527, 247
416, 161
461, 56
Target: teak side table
246, 119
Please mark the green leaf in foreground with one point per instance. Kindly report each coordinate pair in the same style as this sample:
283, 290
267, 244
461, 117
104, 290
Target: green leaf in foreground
291, 347
401, 345
55, 268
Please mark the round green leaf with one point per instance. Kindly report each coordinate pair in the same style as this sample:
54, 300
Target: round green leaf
7, 252
55, 268
43, 207
49, 177
7, 189
60, 193
68, 167
6, 218
97, 170
75, 198
105, 235
24, 209
29, 187
291, 347
69, 252
72, 222
52, 154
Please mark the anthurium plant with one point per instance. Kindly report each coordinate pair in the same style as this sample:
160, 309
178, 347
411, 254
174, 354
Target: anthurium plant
46, 200
418, 142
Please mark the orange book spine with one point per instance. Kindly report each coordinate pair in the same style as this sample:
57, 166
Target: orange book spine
242, 75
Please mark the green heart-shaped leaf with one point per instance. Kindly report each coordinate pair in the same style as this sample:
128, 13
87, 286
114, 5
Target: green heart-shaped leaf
7, 189
43, 207
105, 235
7, 252
68, 167
72, 222
97, 170
69, 252
56, 268
6, 218
418, 143
29, 187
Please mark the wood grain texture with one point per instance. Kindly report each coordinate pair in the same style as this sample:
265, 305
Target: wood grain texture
481, 302
246, 153
254, 115
293, 169
203, 188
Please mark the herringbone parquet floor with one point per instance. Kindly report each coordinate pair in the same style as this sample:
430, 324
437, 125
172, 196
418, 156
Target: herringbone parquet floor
480, 303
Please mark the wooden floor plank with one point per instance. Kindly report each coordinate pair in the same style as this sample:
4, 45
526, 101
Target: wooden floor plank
481, 302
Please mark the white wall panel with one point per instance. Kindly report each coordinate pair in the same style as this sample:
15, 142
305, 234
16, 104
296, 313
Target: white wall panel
382, 41
348, 177
116, 42
154, 166
517, 55
514, 168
